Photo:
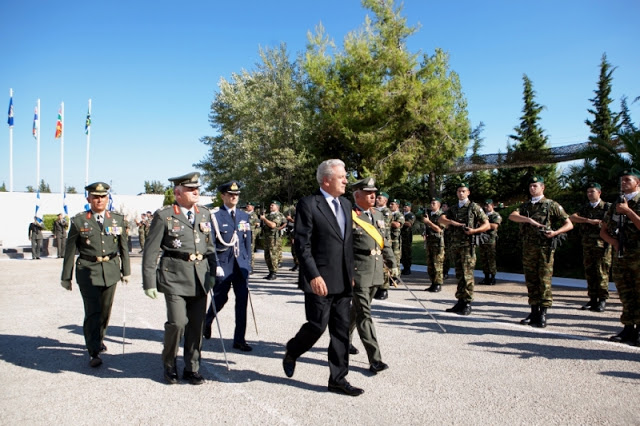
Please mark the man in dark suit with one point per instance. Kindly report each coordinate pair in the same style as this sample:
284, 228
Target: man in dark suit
233, 247
324, 244
99, 236
182, 232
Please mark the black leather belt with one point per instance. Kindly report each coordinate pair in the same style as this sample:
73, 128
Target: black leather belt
371, 252
188, 257
98, 258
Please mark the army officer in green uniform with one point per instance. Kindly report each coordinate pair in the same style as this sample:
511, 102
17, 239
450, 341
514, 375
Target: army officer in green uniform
99, 237
371, 250
182, 232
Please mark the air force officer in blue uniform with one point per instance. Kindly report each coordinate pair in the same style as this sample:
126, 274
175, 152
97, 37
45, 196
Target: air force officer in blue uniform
233, 247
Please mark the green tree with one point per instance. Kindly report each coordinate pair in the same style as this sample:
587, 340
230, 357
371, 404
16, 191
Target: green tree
264, 131
169, 197
605, 123
44, 187
3, 188
531, 144
71, 190
154, 187
30, 188
387, 111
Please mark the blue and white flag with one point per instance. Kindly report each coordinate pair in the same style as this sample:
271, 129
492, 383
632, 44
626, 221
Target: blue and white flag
110, 205
64, 204
10, 119
38, 214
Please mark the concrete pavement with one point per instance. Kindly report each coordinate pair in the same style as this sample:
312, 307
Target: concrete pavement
486, 369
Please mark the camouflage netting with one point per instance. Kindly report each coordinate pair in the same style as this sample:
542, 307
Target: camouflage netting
520, 159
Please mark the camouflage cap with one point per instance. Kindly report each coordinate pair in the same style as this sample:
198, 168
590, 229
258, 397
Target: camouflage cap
594, 185
536, 179
366, 184
190, 180
231, 187
384, 194
631, 172
97, 188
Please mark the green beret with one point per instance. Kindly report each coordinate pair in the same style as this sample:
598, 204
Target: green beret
384, 194
395, 200
366, 184
631, 172
97, 188
231, 187
462, 185
190, 180
536, 179
276, 202
594, 185
408, 204
488, 201
251, 203
438, 199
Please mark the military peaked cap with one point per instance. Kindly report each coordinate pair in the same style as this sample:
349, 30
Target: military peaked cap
190, 180
366, 184
232, 187
97, 188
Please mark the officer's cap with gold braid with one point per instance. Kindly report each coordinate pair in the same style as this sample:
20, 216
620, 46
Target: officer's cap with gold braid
366, 184
232, 187
190, 180
97, 188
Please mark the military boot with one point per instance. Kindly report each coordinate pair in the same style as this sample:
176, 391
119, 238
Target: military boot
465, 309
599, 306
541, 321
591, 304
434, 288
492, 279
457, 307
486, 279
628, 335
533, 316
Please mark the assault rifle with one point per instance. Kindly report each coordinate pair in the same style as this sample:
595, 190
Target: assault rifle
621, 222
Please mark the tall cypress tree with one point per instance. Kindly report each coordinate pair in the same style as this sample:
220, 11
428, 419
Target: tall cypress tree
605, 123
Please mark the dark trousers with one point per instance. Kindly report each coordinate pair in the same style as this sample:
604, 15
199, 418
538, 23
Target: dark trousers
97, 311
238, 279
61, 242
36, 248
185, 317
322, 311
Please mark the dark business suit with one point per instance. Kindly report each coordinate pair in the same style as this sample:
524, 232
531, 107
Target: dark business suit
323, 251
236, 268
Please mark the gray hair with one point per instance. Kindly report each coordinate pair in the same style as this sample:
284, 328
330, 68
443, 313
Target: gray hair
325, 169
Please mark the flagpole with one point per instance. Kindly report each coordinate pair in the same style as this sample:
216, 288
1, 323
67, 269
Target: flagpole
88, 127
62, 149
37, 124
11, 147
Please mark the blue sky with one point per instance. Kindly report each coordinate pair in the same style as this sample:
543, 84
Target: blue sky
152, 69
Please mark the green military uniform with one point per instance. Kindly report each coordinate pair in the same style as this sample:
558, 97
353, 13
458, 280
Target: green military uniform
254, 222
386, 216
487, 248
182, 274
143, 230
406, 236
291, 231
626, 265
60, 232
462, 249
435, 251
272, 238
369, 261
103, 260
537, 251
596, 253
35, 235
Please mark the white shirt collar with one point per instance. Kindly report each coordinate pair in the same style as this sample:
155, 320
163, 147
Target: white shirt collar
594, 204
630, 196
536, 199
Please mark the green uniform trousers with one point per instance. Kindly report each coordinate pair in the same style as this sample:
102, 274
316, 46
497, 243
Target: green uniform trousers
362, 320
537, 264
185, 317
626, 275
97, 311
465, 260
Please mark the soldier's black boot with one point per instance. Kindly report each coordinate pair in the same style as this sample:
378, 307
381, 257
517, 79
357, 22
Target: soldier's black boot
457, 307
627, 335
465, 309
381, 294
486, 279
599, 306
590, 304
492, 279
533, 316
542, 318
434, 288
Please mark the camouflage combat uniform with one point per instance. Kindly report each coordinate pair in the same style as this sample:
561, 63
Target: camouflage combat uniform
596, 252
462, 251
435, 249
254, 222
406, 235
386, 216
273, 241
487, 248
537, 253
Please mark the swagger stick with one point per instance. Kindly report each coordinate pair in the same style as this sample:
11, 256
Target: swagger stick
215, 312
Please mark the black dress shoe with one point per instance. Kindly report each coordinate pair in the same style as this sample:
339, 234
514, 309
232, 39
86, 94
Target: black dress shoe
353, 350
95, 361
288, 364
193, 377
242, 347
206, 333
381, 294
171, 375
103, 348
434, 288
345, 388
376, 367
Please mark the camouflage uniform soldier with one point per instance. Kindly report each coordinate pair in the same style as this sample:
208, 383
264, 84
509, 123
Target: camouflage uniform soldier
434, 234
397, 223
272, 238
142, 230
596, 253
406, 235
291, 231
254, 222
536, 217
487, 248
446, 265
466, 219
381, 205
623, 221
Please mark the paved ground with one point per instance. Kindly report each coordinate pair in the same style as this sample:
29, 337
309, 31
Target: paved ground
486, 369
